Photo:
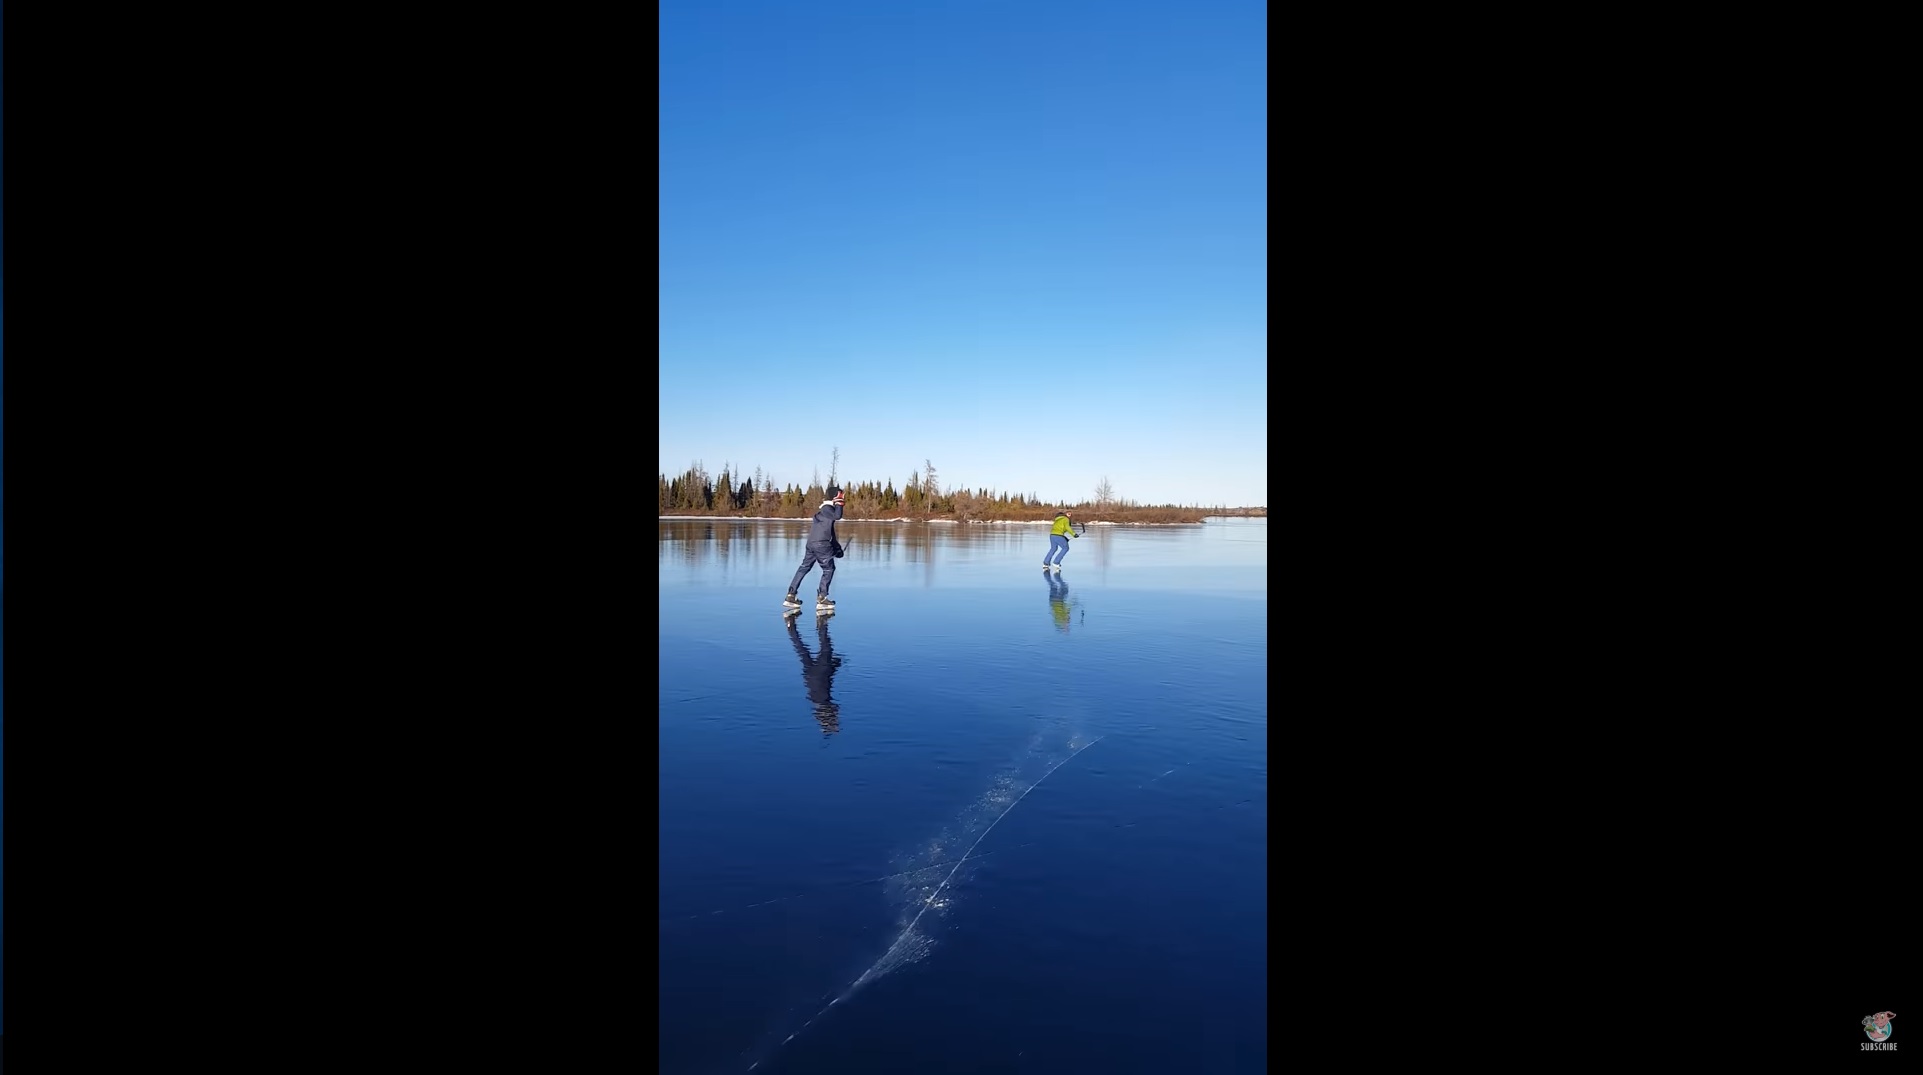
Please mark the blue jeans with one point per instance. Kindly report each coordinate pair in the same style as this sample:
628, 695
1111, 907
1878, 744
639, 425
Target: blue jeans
816, 554
1057, 548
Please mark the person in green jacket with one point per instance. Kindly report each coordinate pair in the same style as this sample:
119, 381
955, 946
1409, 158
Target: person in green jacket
1058, 540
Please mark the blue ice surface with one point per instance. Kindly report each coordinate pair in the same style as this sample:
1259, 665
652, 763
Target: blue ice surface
1115, 918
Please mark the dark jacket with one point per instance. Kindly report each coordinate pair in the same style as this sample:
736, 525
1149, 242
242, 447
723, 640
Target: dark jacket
822, 530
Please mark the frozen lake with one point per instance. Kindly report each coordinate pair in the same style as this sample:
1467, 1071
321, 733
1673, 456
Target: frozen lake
983, 819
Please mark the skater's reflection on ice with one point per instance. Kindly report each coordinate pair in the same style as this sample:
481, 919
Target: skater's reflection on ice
818, 672
1057, 599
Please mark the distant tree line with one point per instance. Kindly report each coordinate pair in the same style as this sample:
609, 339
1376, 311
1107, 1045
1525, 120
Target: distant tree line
731, 492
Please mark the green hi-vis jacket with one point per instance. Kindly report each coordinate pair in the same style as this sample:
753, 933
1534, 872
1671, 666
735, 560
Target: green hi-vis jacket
1062, 526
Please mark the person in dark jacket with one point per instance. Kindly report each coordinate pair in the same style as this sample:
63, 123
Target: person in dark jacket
1058, 540
818, 672
822, 549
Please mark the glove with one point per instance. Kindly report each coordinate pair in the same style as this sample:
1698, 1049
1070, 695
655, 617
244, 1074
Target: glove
838, 550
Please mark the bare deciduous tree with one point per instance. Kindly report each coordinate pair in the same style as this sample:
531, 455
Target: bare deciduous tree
1104, 493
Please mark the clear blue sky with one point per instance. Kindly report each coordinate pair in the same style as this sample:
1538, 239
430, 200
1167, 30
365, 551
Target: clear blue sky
1027, 241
